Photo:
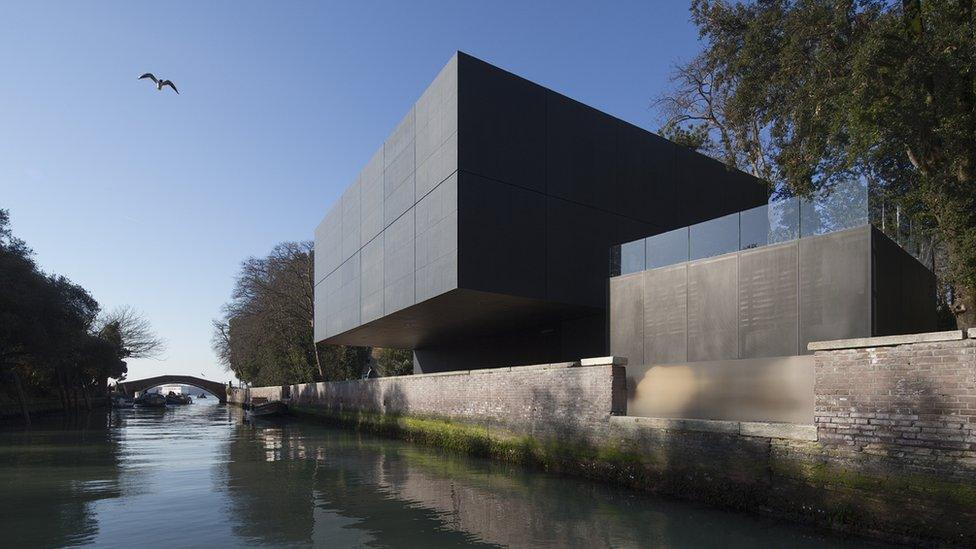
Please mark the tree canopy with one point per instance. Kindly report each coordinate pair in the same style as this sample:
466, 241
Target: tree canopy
807, 93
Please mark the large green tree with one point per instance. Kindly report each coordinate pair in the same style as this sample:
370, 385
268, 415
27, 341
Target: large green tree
808, 93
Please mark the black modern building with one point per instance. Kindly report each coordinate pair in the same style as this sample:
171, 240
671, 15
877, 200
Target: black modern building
479, 232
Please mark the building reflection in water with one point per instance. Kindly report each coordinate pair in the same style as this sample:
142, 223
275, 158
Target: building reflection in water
292, 483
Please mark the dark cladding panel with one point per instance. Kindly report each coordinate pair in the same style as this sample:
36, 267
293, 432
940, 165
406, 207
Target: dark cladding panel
371, 198
371, 283
712, 309
328, 243
581, 153
665, 293
904, 290
644, 184
502, 230
350, 221
768, 301
437, 240
320, 311
348, 295
707, 189
835, 286
501, 125
436, 129
627, 321
399, 170
398, 264
437, 167
577, 250
330, 289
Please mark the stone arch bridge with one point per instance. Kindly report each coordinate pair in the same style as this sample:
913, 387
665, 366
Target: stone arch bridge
217, 388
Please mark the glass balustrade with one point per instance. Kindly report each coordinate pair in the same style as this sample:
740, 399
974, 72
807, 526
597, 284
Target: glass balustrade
843, 206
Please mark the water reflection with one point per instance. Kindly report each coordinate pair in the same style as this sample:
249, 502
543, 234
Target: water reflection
199, 476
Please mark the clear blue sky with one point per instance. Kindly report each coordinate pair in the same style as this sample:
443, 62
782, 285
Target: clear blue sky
152, 199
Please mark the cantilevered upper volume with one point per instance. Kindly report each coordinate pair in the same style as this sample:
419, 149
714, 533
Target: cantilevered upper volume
479, 232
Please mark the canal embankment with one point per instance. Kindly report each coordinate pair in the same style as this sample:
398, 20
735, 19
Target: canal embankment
891, 453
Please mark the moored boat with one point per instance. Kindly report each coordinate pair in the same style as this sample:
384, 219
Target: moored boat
267, 409
121, 401
151, 400
173, 398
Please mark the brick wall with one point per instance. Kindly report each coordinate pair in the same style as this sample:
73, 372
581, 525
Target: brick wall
912, 398
546, 401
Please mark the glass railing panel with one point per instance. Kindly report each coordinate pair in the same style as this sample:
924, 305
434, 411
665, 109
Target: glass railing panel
666, 248
632, 257
714, 237
839, 207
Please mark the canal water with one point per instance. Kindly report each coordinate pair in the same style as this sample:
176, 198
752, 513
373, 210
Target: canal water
199, 475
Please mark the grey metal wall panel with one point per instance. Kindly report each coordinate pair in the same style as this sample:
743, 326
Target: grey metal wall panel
501, 125
437, 167
627, 322
665, 315
399, 172
348, 294
330, 288
328, 242
398, 183
768, 319
835, 300
713, 309
436, 120
580, 153
502, 232
319, 328
437, 240
371, 198
398, 264
350, 221
371, 283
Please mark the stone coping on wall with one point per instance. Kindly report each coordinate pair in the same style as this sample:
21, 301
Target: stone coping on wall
600, 361
790, 431
888, 341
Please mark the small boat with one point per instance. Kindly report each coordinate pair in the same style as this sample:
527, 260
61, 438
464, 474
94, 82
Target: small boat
267, 408
151, 400
120, 401
173, 398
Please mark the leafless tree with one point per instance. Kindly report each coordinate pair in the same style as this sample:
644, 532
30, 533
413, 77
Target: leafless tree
132, 331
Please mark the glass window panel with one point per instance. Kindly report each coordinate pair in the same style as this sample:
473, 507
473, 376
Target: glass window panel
632, 257
667, 248
715, 237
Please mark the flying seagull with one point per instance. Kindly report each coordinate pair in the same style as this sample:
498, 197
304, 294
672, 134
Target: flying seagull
159, 83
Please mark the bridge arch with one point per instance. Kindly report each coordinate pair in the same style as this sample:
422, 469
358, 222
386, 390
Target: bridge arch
217, 388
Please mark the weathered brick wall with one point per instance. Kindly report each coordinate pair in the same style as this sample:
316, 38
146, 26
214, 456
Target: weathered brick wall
913, 400
545, 401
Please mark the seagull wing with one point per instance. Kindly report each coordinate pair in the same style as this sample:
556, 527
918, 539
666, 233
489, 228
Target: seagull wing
148, 75
170, 84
